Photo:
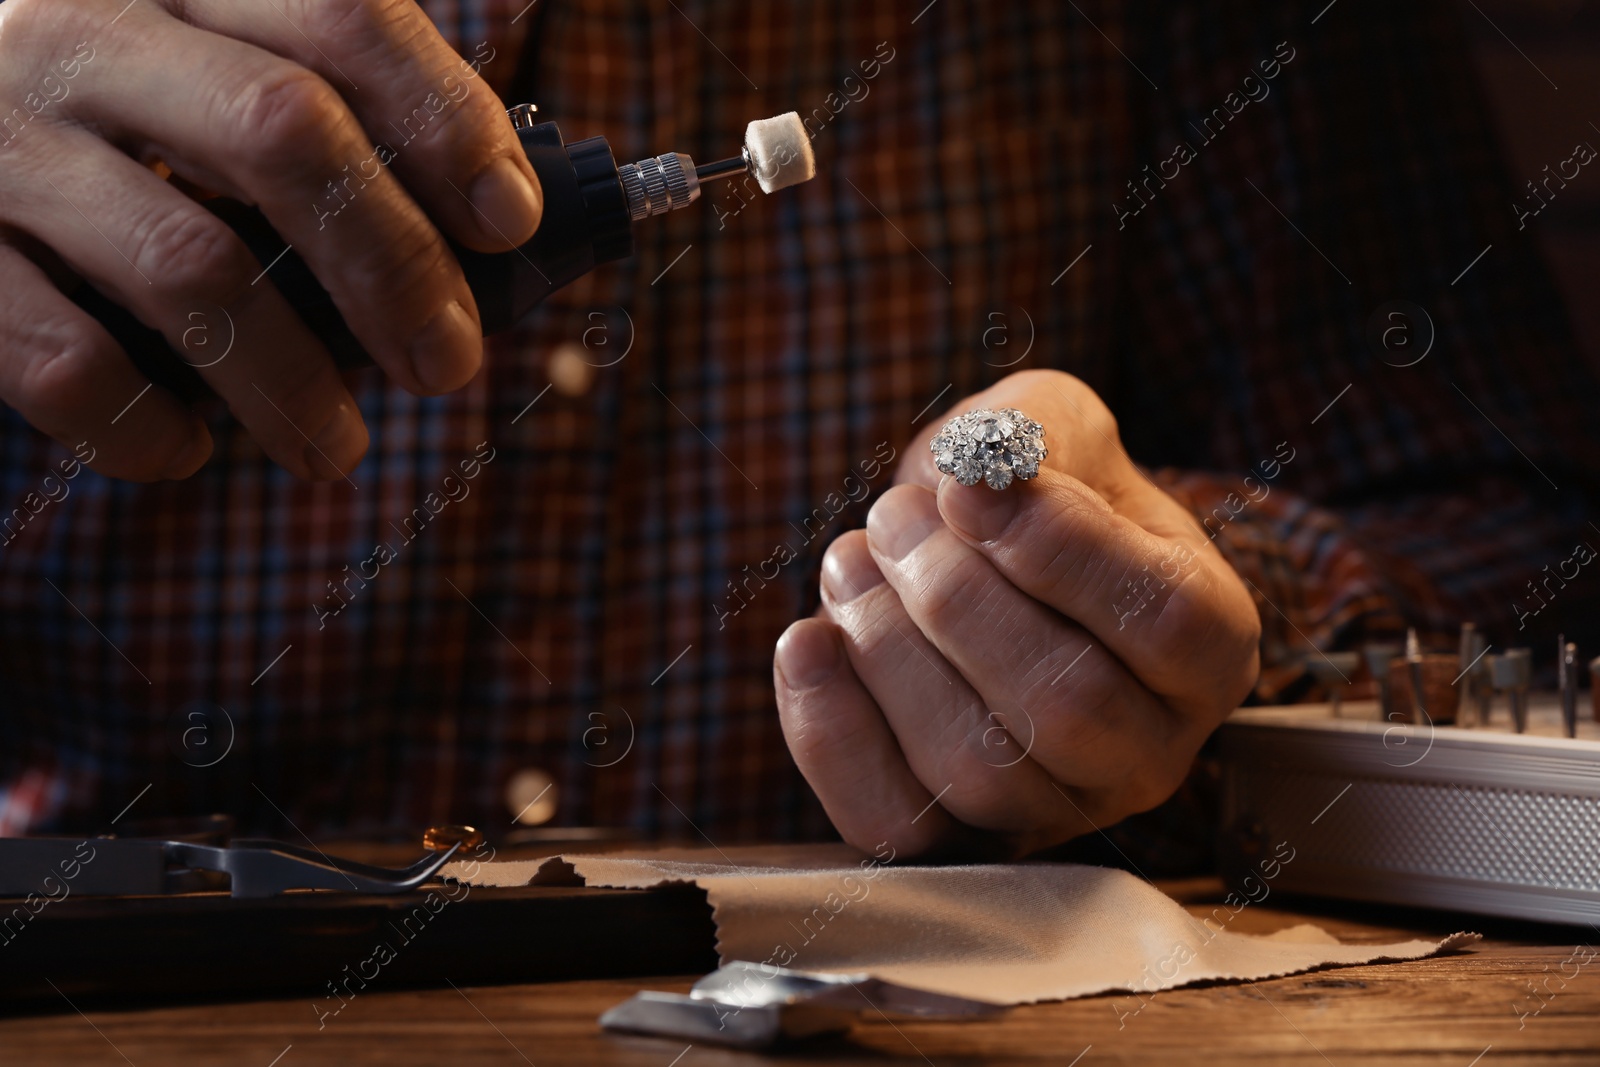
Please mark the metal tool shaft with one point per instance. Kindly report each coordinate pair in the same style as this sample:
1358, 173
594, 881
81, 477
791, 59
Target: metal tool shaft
723, 168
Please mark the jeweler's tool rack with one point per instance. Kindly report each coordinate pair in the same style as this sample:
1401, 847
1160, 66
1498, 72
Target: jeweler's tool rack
1485, 798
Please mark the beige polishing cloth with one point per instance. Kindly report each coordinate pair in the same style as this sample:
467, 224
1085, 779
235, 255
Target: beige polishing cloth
1006, 934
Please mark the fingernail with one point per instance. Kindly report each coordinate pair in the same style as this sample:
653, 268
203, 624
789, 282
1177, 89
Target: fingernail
902, 519
509, 205
848, 570
977, 512
340, 445
445, 354
193, 454
807, 655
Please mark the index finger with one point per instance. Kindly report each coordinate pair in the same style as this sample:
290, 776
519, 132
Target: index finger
1160, 604
445, 132
276, 132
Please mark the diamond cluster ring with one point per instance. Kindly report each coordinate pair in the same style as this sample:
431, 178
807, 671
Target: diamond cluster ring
989, 445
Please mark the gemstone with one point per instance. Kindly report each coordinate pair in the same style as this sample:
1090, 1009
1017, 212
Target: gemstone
990, 445
992, 429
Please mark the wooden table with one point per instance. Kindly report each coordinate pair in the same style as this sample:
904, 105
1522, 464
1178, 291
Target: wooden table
1455, 1011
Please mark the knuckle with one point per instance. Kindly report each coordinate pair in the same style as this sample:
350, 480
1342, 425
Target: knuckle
1153, 783
42, 45
1056, 560
1147, 785
1249, 638
809, 743
282, 113
63, 373
190, 253
410, 268
1238, 659
1103, 420
306, 393
1198, 616
818, 740
980, 793
889, 643
866, 828
868, 622
1084, 404
1188, 611
861, 830
960, 596
350, 20
985, 801
1083, 708
1086, 400
27, 21
448, 120
20, 16
903, 837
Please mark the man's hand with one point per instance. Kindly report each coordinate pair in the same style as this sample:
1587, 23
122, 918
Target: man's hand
278, 103
1012, 669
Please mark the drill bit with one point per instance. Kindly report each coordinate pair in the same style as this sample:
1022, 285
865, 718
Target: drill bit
1568, 671
1465, 654
1378, 657
1414, 662
1512, 673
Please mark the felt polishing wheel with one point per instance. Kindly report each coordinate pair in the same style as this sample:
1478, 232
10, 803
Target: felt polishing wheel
780, 152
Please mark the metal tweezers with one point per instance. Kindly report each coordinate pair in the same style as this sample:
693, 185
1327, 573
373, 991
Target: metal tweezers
131, 866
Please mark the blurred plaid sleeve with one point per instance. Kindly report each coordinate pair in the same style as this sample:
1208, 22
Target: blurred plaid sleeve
610, 573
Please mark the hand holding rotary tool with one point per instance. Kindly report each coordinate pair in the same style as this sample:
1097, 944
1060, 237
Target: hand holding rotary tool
590, 205
261, 294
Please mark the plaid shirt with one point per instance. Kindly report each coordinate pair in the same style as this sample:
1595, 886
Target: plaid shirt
600, 598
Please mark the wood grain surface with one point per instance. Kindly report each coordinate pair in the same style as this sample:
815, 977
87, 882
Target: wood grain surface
1474, 1008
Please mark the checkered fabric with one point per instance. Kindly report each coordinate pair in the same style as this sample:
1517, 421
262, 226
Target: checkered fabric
587, 581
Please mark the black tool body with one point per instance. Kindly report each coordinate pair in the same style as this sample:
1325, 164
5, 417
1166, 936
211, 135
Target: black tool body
586, 223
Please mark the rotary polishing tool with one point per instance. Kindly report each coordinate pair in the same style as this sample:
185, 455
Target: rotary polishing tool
590, 206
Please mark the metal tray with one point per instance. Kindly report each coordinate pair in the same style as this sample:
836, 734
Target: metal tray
1473, 819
